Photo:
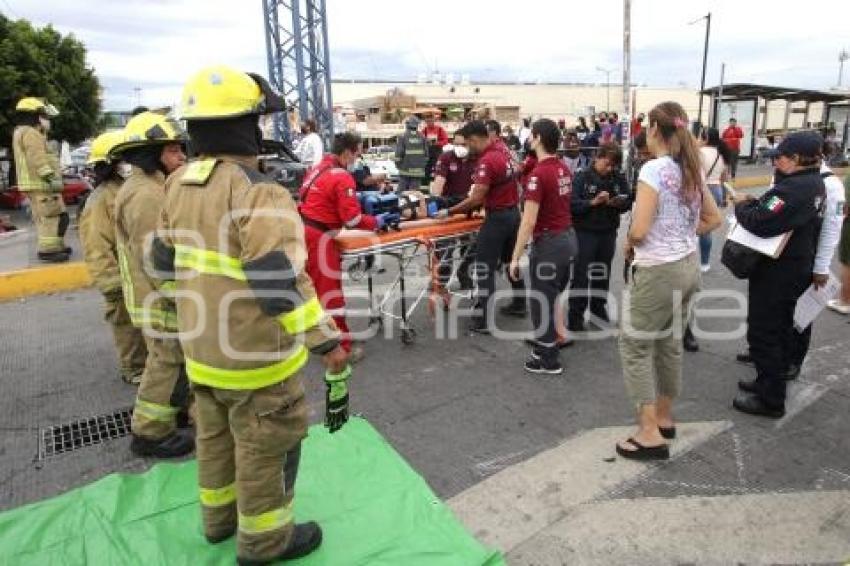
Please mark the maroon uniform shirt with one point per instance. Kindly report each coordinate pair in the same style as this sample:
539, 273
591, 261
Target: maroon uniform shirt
458, 173
551, 185
496, 170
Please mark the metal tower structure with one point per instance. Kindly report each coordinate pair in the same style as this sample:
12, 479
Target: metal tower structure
299, 61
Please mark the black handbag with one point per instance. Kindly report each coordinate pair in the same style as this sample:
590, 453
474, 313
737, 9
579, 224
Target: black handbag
740, 260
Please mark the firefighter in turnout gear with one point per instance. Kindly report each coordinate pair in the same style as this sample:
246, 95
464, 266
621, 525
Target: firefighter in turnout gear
411, 155
249, 317
153, 146
97, 234
40, 176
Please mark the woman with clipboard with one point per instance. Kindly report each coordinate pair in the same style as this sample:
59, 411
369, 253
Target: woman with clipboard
776, 284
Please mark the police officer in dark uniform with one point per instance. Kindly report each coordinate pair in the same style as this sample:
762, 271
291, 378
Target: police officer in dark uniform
792, 205
600, 195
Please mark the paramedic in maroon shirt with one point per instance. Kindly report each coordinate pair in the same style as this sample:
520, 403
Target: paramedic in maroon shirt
547, 223
494, 186
452, 182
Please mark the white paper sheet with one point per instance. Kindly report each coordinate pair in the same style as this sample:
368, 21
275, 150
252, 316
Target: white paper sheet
771, 247
812, 302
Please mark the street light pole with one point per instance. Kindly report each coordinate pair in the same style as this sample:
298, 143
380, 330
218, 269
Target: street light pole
843, 56
707, 19
607, 87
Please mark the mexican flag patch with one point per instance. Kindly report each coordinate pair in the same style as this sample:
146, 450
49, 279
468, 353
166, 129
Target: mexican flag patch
775, 204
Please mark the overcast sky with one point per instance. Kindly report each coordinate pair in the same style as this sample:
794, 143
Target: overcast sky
157, 44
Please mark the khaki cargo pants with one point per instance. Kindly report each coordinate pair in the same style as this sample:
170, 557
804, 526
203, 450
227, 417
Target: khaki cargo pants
50, 219
164, 390
248, 449
655, 311
129, 340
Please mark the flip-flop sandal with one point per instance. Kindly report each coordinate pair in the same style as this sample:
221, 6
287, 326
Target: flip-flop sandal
668, 432
644, 452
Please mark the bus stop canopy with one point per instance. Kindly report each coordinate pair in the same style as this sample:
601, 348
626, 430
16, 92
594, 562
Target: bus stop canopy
746, 90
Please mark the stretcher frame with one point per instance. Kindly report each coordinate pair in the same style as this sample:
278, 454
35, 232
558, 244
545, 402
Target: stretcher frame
405, 252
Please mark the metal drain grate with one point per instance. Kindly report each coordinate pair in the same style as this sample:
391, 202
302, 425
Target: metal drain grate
59, 439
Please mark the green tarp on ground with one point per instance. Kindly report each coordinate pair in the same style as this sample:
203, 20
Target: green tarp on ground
374, 509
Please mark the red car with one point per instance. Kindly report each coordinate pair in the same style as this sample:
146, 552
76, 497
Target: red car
76, 187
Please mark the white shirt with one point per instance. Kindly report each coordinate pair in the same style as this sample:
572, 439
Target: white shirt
311, 149
673, 234
524, 134
709, 154
833, 219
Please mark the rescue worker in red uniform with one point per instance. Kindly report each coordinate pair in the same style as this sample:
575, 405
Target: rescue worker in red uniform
436, 138
495, 187
329, 204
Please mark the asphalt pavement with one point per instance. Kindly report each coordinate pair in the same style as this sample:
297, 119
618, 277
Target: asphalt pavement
536, 452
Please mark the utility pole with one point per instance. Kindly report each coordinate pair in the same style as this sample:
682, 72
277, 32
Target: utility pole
843, 56
716, 117
627, 57
138, 91
707, 19
607, 87
627, 81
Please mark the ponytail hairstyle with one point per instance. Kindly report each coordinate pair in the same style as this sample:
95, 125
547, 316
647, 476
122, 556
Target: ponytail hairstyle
672, 127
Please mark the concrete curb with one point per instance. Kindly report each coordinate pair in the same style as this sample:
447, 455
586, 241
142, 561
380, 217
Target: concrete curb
42, 280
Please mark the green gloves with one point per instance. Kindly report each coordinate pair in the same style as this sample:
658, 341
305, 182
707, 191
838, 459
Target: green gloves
336, 399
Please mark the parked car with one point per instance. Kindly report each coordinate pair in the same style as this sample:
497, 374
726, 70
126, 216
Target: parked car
76, 188
280, 163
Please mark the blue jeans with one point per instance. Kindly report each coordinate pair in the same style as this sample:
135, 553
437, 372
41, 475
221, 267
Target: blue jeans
705, 239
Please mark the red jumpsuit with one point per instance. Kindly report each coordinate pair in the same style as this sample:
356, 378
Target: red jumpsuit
329, 203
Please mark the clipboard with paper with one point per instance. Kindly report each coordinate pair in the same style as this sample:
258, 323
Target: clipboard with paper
771, 247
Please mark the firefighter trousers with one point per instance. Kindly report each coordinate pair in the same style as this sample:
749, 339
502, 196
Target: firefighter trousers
164, 390
129, 340
248, 448
50, 219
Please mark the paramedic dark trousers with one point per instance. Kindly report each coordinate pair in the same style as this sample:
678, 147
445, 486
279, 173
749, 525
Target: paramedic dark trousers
496, 241
774, 289
550, 261
593, 269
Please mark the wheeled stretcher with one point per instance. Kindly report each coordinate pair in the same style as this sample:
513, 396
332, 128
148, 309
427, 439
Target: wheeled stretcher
434, 240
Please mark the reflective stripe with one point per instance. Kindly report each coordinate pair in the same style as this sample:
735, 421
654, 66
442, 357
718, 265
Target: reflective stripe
255, 378
156, 318
155, 411
303, 318
265, 522
218, 497
354, 221
44, 171
50, 240
208, 262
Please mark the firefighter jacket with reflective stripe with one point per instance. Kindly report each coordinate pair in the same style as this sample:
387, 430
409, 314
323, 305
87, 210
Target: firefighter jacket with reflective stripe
34, 165
233, 241
97, 234
137, 209
412, 154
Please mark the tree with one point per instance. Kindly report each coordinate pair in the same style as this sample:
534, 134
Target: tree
45, 64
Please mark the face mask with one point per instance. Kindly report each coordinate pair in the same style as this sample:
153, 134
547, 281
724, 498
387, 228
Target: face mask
45, 123
124, 170
461, 152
